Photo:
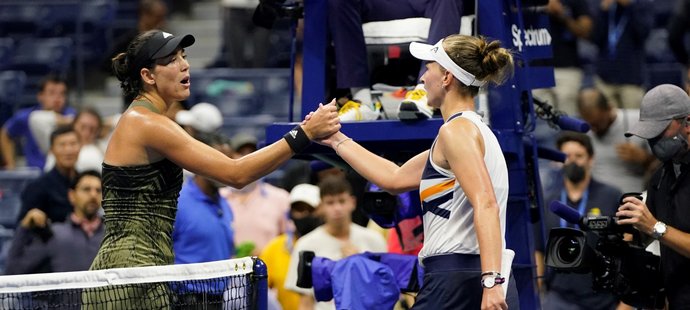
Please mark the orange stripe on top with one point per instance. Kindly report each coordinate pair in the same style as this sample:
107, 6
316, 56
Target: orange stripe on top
435, 189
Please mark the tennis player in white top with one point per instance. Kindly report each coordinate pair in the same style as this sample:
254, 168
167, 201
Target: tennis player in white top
462, 179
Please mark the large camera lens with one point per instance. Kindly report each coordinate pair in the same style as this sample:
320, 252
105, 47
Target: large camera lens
568, 250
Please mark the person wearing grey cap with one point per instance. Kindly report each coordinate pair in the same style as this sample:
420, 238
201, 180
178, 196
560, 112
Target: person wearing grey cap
664, 117
142, 168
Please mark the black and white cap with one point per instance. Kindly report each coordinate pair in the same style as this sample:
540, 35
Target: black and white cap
159, 45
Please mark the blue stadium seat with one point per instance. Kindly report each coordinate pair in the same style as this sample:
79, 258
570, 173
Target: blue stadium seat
41, 56
95, 19
19, 20
126, 17
662, 10
6, 50
61, 19
664, 73
243, 92
656, 47
11, 185
11, 89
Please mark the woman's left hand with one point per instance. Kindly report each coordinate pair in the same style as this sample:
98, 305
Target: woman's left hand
493, 298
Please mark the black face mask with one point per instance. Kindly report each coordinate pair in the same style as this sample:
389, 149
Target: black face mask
669, 148
306, 224
574, 172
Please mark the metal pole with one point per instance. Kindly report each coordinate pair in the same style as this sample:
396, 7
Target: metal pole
259, 279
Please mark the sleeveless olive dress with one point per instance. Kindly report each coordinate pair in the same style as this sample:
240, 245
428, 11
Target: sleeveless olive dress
140, 203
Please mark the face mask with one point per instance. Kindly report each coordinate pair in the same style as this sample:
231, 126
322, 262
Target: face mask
574, 172
306, 224
669, 148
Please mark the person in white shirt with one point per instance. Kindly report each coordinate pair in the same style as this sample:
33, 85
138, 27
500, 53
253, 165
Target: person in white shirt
337, 238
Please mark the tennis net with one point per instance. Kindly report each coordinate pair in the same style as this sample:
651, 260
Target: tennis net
229, 284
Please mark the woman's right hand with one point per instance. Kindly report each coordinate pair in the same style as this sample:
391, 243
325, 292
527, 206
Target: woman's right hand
323, 122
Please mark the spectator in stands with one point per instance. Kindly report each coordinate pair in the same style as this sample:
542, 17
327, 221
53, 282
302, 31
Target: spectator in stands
202, 231
304, 198
47, 195
345, 18
259, 208
52, 96
620, 31
88, 125
41, 246
337, 238
588, 196
622, 162
203, 228
570, 20
678, 27
203, 117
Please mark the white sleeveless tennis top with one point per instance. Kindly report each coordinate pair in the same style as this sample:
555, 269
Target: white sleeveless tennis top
448, 215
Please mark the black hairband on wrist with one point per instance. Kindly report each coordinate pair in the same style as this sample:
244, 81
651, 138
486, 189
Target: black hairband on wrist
297, 139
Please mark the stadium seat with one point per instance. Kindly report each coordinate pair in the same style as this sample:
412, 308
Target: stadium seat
243, 92
41, 56
11, 185
664, 73
125, 17
90, 19
656, 47
19, 20
6, 50
11, 90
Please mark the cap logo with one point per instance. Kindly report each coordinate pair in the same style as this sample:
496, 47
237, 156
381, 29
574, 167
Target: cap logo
166, 35
435, 49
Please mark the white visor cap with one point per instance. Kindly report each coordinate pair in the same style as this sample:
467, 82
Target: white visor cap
438, 54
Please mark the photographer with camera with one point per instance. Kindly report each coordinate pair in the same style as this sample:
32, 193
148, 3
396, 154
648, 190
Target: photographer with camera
664, 117
588, 196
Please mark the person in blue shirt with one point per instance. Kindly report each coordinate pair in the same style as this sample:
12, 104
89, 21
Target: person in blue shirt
202, 230
52, 96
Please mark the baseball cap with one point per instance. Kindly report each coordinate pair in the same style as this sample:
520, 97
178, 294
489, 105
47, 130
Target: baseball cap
659, 107
306, 193
241, 139
161, 44
203, 116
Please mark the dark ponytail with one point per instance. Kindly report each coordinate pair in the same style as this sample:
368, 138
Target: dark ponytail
124, 67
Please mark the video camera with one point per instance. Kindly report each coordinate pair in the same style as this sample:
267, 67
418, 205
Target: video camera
617, 266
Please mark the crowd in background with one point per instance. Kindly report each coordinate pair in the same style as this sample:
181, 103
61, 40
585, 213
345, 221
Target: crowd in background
316, 206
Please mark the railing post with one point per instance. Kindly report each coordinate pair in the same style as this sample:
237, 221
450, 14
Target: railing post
259, 279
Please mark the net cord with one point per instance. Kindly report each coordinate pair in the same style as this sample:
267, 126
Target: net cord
124, 276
